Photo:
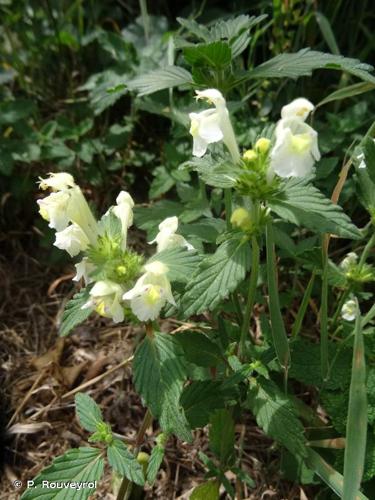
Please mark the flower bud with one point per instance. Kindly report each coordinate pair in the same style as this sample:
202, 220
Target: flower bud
250, 155
262, 145
241, 219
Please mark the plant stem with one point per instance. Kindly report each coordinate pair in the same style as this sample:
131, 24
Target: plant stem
302, 310
126, 485
366, 250
251, 294
324, 360
228, 207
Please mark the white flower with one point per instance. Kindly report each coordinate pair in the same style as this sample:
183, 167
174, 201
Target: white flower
72, 239
106, 297
151, 292
57, 182
67, 203
296, 149
54, 209
362, 160
212, 125
124, 211
166, 237
349, 310
349, 261
299, 108
83, 269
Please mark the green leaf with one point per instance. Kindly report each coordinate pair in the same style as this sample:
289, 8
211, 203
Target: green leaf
73, 314
206, 491
369, 152
124, 462
356, 427
159, 373
199, 349
75, 466
218, 275
154, 463
88, 412
328, 474
217, 55
160, 79
207, 229
349, 91
221, 436
199, 30
201, 398
304, 205
231, 28
215, 170
181, 263
275, 414
148, 218
303, 62
328, 35
279, 336
13, 111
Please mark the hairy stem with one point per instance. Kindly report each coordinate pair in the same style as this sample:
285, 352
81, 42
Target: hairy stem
251, 294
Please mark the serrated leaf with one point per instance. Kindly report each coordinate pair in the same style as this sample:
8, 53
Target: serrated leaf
215, 170
160, 79
230, 28
199, 30
181, 263
305, 61
217, 276
75, 466
206, 491
88, 412
159, 373
304, 205
207, 229
201, 398
154, 463
221, 436
124, 462
73, 314
216, 54
199, 349
275, 414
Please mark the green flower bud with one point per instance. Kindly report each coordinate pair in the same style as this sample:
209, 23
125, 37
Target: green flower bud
241, 219
250, 155
262, 145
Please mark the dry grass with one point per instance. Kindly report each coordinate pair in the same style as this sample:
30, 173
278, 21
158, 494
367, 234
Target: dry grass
40, 372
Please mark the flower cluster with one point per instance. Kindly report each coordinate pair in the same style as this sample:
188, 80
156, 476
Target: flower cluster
108, 267
296, 143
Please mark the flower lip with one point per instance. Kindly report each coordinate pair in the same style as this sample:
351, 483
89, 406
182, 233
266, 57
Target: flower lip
213, 96
299, 108
57, 181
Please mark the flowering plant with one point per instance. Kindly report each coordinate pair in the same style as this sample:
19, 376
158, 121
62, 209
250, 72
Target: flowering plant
237, 354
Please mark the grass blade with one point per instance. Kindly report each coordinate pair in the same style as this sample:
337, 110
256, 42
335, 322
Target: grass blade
280, 338
324, 357
356, 428
329, 475
302, 310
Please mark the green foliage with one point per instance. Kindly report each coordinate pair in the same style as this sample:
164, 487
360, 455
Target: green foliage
159, 373
181, 263
302, 204
88, 412
276, 415
217, 276
73, 314
199, 349
206, 491
77, 465
160, 79
222, 436
304, 62
201, 398
156, 458
123, 462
